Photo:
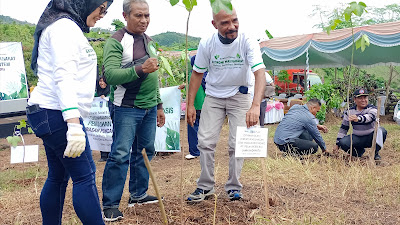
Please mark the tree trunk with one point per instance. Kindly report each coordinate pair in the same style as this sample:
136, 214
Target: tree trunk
388, 86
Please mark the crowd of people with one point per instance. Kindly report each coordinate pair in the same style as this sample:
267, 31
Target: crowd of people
66, 66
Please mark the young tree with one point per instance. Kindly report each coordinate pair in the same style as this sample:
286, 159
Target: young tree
118, 24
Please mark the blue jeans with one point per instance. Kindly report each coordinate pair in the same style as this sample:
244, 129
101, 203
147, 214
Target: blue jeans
192, 135
136, 128
51, 128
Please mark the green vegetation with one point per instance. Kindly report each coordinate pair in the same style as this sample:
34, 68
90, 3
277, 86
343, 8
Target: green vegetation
175, 41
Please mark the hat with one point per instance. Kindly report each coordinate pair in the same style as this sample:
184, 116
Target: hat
360, 92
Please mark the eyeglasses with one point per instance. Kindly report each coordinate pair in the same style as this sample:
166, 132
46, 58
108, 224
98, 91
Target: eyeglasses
103, 10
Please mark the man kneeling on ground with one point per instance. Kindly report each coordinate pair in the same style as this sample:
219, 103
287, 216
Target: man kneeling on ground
362, 117
295, 133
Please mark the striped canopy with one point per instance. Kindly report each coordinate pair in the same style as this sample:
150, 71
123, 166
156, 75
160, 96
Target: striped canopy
334, 50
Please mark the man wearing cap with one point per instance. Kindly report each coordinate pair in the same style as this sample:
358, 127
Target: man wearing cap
362, 117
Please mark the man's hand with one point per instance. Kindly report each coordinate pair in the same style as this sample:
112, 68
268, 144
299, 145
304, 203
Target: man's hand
76, 140
182, 86
353, 118
252, 116
322, 128
150, 65
335, 149
160, 117
191, 115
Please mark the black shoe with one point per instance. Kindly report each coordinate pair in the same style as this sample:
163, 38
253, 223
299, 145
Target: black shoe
112, 214
102, 160
377, 157
147, 200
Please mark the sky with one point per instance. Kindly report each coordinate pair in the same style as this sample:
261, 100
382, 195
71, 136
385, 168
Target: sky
280, 17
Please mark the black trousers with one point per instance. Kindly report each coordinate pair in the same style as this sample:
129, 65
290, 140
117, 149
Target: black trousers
303, 145
263, 107
360, 143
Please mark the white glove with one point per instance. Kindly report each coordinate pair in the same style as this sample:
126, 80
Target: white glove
76, 140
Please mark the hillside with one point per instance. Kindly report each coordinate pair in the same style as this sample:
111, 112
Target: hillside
175, 41
7, 19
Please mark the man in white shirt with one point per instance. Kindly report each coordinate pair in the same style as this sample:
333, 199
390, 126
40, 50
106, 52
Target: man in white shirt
231, 59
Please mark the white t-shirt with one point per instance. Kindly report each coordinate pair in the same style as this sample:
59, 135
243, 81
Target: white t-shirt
229, 66
67, 67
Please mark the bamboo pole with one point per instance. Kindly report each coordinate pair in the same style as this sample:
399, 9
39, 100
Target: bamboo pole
372, 153
267, 213
153, 179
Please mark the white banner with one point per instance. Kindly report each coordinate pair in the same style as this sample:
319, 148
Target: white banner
251, 142
13, 83
98, 125
167, 137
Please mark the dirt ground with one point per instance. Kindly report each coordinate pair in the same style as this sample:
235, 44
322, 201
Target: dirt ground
317, 190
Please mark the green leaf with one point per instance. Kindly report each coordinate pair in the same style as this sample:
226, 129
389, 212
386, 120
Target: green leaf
358, 43
173, 2
362, 43
30, 130
189, 4
13, 140
172, 139
268, 34
22, 123
218, 5
166, 65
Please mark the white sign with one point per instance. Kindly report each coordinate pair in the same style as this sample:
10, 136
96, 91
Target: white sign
251, 142
30, 154
98, 125
13, 83
168, 136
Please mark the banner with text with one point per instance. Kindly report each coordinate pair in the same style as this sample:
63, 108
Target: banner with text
167, 137
98, 125
13, 83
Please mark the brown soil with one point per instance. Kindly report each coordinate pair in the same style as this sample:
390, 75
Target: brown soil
293, 197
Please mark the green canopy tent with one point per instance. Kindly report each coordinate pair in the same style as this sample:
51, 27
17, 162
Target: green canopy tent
320, 50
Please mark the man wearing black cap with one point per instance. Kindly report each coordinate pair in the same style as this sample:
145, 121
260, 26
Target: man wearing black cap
362, 116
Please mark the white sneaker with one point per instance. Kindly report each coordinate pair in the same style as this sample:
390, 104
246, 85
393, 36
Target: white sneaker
189, 157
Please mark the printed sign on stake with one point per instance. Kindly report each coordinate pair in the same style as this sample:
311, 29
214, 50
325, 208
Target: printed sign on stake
251, 142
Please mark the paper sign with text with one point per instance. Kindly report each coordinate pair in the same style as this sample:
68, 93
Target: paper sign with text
98, 125
31, 154
251, 142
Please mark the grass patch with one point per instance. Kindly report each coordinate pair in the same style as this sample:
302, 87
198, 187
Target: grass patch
14, 179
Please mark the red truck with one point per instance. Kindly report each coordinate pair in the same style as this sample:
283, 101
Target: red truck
295, 82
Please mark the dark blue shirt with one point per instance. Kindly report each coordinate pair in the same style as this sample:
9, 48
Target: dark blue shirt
298, 119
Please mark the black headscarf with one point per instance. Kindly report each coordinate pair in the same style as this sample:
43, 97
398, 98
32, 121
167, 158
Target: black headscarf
75, 10
102, 91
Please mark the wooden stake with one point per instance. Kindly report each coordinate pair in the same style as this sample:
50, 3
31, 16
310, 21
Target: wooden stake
265, 186
372, 153
153, 179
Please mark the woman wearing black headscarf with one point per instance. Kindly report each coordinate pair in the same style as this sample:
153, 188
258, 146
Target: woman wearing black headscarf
66, 65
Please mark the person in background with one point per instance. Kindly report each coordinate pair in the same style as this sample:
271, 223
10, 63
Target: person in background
198, 104
231, 59
130, 63
297, 130
66, 65
362, 117
263, 105
102, 91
